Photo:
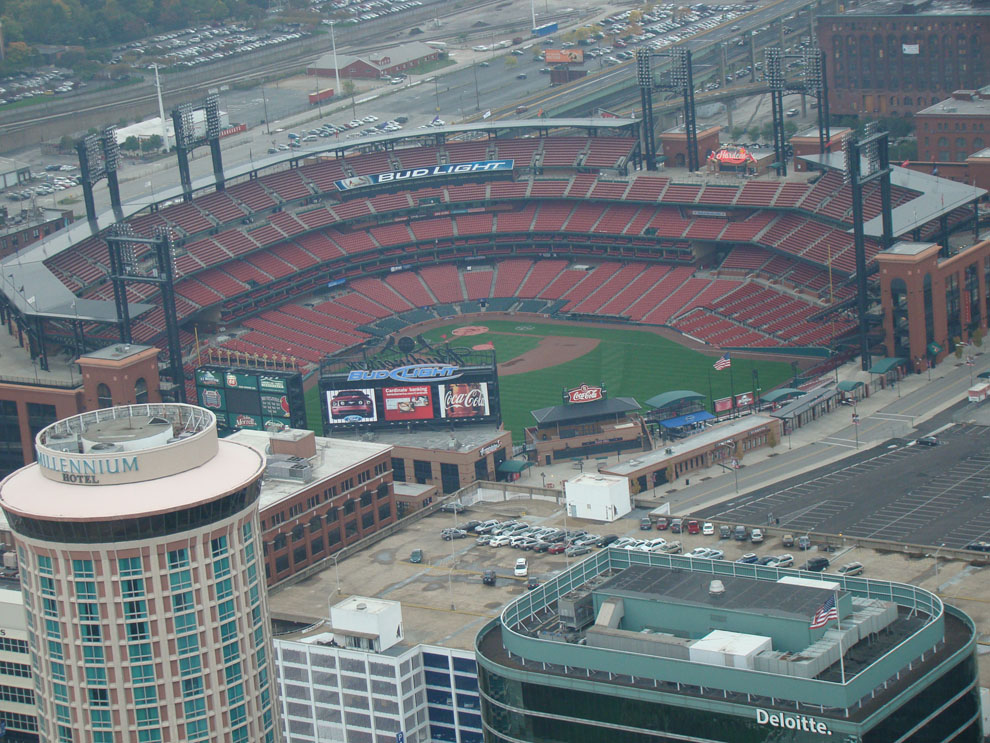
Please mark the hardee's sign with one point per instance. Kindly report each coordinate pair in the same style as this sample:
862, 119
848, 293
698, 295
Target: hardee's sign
584, 393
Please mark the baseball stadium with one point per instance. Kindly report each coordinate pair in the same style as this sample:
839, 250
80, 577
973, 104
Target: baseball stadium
545, 240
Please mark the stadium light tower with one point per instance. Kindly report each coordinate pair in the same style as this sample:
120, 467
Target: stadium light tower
873, 148
678, 78
186, 140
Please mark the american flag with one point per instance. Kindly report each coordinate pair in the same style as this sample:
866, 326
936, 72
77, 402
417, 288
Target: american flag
825, 614
723, 363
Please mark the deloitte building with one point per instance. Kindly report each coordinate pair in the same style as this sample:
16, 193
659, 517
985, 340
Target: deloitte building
645, 648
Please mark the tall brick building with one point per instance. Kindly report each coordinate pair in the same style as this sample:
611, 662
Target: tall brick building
954, 129
893, 57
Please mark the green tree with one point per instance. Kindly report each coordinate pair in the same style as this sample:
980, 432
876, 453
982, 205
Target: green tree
510, 60
977, 337
790, 128
738, 132
131, 144
152, 143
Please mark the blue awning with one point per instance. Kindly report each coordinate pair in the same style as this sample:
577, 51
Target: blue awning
687, 420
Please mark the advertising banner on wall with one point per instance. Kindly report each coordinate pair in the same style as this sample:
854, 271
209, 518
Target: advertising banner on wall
479, 166
352, 406
407, 403
464, 400
724, 404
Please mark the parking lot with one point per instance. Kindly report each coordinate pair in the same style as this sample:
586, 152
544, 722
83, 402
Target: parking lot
901, 491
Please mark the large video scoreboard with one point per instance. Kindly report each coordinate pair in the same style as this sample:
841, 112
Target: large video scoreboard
242, 397
449, 387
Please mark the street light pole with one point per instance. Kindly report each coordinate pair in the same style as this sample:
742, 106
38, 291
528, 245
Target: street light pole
936, 560
336, 571
336, 68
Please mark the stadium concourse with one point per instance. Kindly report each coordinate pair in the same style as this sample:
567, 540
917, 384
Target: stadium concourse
307, 254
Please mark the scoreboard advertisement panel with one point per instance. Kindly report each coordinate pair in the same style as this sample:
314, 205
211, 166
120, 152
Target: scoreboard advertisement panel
250, 398
446, 389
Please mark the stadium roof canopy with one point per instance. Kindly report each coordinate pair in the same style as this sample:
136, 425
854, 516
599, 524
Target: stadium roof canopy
584, 410
783, 393
939, 196
25, 276
669, 398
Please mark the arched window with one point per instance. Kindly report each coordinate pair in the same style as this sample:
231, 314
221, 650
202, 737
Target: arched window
977, 144
960, 142
943, 142
140, 391
103, 398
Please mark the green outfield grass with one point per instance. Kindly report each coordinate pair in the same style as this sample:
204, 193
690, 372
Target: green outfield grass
631, 363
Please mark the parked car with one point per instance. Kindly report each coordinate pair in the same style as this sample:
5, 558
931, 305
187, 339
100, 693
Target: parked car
485, 527
662, 523
700, 552
749, 558
851, 568
449, 534
557, 548
978, 546
500, 541
522, 568
724, 532
693, 527
453, 507
488, 577
623, 541
672, 548
708, 529
645, 524
767, 561
675, 526
416, 556
715, 554
784, 561
787, 540
816, 564
804, 543
928, 441
740, 533
470, 525
577, 549
483, 540
757, 536
532, 583
607, 540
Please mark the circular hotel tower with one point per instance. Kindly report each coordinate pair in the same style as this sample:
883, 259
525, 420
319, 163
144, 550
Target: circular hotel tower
140, 557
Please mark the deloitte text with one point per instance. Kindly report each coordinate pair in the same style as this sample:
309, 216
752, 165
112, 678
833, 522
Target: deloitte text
791, 722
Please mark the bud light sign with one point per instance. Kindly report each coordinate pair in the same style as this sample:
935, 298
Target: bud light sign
584, 393
410, 373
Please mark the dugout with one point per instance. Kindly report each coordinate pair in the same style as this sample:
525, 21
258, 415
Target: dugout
586, 429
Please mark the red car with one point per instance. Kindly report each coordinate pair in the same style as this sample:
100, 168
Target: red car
350, 403
662, 523
556, 549
693, 527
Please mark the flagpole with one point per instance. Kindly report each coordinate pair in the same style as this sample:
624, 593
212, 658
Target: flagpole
711, 397
732, 388
838, 626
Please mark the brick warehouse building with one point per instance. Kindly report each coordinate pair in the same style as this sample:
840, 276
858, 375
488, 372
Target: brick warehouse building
891, 58
954, 129
382, 63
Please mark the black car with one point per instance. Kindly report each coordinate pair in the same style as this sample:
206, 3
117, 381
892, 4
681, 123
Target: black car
521, 76
488, 577
453, 507
532, 583
928, 441
978, 546
469, 526
816, 564
606, 540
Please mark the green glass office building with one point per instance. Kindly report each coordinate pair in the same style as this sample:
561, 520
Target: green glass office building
649, 648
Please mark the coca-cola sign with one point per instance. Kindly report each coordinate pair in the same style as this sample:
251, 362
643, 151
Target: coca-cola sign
464, 400
584, 393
